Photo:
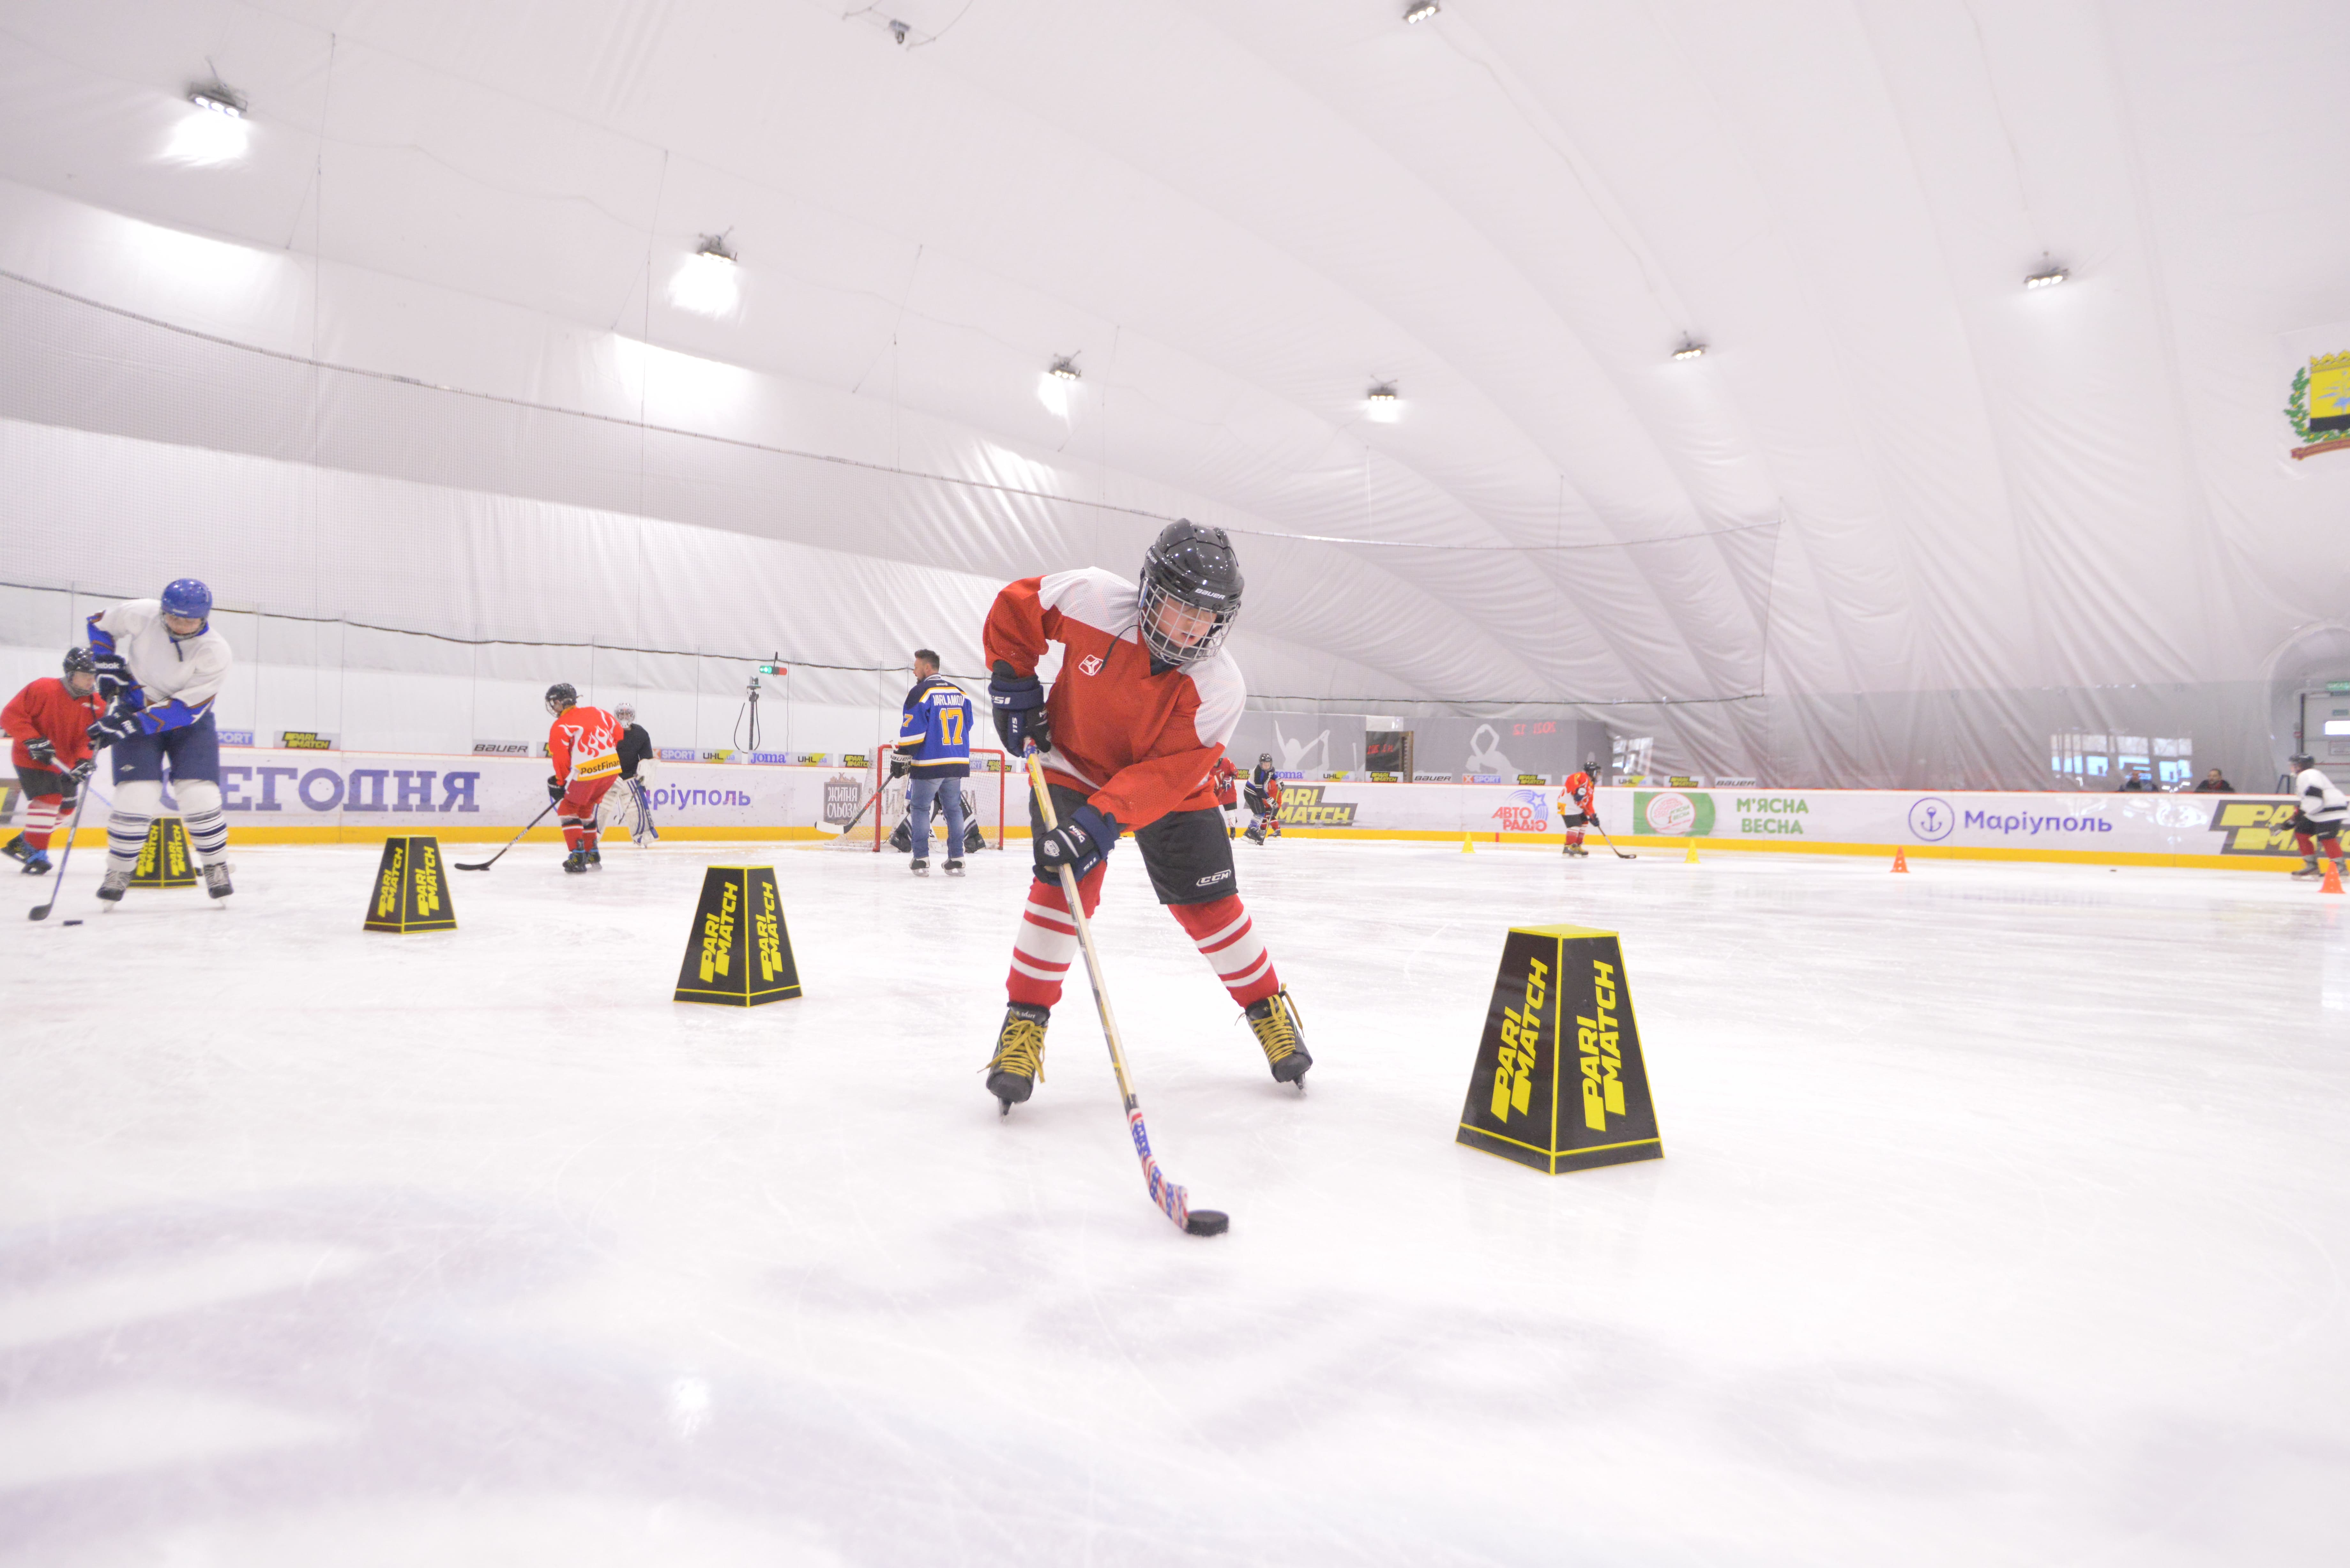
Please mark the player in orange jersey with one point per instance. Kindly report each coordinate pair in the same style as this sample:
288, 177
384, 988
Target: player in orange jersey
584, 746
1577, 806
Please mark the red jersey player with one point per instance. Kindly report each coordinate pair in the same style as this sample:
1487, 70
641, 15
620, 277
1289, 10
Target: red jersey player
1575, 809
49, 721
1129, 738
584, 745
1228, 791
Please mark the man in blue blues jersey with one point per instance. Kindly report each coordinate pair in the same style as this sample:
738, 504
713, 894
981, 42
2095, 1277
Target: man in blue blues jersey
934, 746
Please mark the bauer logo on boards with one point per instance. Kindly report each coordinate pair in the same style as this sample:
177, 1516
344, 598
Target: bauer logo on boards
739, 951
1537, 1101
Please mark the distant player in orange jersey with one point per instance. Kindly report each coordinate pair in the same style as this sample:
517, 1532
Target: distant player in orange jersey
1576, 796
584, 746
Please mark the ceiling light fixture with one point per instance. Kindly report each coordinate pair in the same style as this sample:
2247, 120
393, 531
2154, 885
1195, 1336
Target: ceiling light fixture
1421, 10
708, 283
1064, 367
1384, 393
899, 30
2049, 275
218, 97
1690, 348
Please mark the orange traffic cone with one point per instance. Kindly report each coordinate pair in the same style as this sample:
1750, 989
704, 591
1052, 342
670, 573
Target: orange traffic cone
1900, 861
2332, 883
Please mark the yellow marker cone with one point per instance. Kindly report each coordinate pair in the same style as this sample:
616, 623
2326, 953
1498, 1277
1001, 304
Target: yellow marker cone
1692, 854
1467, 847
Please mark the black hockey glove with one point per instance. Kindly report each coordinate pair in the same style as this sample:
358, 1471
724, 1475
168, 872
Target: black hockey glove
1084, 836
83, 769
113, 672
43, 751
554, 787
119, 726
900, 764
1018, 703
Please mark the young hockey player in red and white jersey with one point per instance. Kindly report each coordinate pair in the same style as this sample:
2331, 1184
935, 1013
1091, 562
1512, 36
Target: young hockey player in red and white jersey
1577, 796
1146, 701
1228, 793
49, 722
583, 745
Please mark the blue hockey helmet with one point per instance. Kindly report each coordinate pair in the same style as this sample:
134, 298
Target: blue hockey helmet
187, 596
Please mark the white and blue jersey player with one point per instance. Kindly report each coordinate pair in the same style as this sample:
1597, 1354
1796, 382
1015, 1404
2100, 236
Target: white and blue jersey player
160, 665
933, 745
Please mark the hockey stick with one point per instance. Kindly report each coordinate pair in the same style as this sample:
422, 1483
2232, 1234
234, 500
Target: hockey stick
1170, 1198
485, 864
42, 911
1611, 842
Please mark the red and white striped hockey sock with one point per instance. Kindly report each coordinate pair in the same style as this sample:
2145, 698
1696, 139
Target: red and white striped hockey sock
41, 816
1047, 943
1227, 938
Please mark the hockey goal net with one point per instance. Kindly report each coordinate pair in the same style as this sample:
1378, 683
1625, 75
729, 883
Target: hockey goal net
985, 795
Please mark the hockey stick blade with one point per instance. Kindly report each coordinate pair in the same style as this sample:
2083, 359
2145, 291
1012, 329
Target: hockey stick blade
65, 858
485, 864
1171, 1200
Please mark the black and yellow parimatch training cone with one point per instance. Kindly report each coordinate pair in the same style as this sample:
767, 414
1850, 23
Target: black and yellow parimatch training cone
412, 891
166, 859
1559, 1083
739, 953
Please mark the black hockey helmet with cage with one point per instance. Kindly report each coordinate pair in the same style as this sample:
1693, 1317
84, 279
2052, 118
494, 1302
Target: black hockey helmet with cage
80, 661
560, 696
1194, 565
2302, 760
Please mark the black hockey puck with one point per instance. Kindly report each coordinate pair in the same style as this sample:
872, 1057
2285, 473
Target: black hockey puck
1207, 1223
73, 922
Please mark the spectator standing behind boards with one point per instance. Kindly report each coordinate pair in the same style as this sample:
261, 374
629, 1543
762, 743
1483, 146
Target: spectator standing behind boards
934, 745
2213, 784
2136, 779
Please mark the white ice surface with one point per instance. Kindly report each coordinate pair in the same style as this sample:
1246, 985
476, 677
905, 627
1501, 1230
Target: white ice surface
2000, 1221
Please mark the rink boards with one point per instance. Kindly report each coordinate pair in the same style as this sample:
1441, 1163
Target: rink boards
308, 798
